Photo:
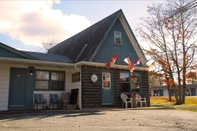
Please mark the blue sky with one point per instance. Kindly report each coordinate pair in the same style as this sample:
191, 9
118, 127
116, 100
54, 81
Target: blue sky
25, 25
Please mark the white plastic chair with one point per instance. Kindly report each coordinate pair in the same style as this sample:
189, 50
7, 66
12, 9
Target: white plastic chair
140, 100
125, 100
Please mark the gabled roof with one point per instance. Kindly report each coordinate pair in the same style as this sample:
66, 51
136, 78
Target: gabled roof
49, 57
20, 53
36, 55
84, 45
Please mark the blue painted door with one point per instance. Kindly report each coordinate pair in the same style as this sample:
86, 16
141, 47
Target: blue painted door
107, 88
17, 91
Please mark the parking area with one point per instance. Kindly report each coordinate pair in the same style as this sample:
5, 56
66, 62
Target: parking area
101, 119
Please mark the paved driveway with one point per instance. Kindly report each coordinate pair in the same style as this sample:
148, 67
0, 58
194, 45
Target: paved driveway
101, 120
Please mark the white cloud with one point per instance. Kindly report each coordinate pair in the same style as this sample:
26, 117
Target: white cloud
35, 21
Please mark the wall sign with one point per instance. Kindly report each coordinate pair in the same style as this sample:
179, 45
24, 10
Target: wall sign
94, 78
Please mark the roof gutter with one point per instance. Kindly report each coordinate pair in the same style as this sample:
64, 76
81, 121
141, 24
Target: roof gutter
34, 62
62, 64
116, 66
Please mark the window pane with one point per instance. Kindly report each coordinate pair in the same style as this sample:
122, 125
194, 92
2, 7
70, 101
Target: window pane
50, 80
76, 77
57, 85
106, 76
41, 85
117, 37
106, 79
43, 75
134, 78
135, 83
124, 82
135, 87
57, 81
57, 76
124, 77
117, 40
125, 87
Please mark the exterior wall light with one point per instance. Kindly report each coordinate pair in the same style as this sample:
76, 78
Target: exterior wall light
31, 72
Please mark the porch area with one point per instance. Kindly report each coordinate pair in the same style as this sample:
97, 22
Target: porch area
57, 101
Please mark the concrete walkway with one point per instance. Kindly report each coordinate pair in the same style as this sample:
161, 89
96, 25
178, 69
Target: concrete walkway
97, 119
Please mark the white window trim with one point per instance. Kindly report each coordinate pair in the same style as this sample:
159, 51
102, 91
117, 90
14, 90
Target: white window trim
106, 79
115, 32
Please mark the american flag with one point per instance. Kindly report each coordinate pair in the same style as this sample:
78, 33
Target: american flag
127, 60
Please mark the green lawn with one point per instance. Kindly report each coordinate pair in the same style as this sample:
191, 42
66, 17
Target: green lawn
163, 100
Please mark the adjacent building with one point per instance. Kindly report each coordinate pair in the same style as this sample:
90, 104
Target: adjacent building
191, 90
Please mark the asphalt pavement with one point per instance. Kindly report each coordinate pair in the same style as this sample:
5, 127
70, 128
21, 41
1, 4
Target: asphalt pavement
100, 119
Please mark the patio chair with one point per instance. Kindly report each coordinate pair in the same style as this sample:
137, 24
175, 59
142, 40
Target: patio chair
140, 100
126, 100
65, 99
54, 100
38, 99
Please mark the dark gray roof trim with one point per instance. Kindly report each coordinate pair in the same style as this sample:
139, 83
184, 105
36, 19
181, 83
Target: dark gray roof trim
91, 37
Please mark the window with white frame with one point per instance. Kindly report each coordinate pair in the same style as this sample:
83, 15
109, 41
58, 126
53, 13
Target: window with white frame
50, 80
117, 38
130, 82
106, 80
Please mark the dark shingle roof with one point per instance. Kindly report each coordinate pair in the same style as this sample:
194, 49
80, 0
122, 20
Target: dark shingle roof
83, 45
20, 53
49, 57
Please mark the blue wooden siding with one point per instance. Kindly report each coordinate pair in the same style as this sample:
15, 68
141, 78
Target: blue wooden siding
108, 49
193, 91
6, 53
160, 92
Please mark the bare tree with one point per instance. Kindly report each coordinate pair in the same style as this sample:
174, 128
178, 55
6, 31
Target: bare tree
172, 42
47, 44
190, 5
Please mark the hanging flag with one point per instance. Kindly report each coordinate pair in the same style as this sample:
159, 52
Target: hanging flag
127, 60
137, 62
112, 61
152, 66
150, 62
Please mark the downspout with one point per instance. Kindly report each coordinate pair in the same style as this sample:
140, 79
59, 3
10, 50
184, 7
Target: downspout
80, 94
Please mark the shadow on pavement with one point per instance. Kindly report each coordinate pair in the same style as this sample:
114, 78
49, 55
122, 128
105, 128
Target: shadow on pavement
46, 114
